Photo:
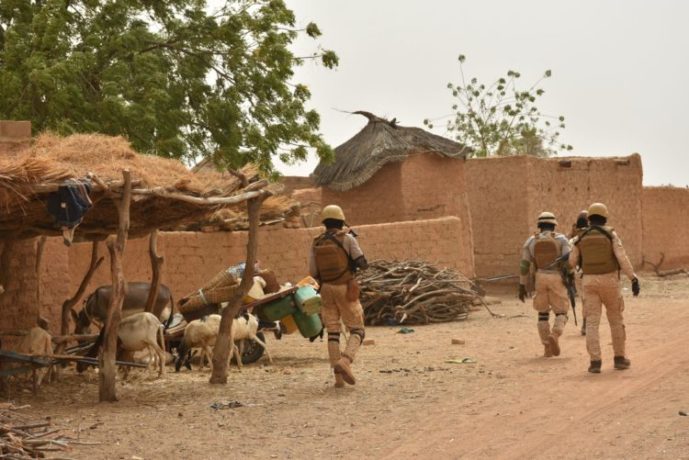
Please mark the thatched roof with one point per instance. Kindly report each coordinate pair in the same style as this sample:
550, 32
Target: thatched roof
378, 143
165, 192
278, 208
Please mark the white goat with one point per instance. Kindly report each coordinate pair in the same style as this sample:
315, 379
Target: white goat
200, 333
243, 328
38, 342
141, 331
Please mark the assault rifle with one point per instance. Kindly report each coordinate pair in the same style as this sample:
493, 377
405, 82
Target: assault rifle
568, 281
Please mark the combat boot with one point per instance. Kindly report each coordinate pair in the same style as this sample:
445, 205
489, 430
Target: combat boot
594, 368
622, 363
554, 345
343, 367
339, 381
547, 353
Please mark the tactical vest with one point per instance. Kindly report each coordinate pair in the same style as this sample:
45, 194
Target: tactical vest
597, 255
546, 250
332, 260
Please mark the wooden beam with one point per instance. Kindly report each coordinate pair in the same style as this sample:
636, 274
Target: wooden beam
116, 246
68, 304
156, 264
209, 201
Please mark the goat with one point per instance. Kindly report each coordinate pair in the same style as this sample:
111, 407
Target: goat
141, 331
203, 333
38, 342
245, 328
200, 333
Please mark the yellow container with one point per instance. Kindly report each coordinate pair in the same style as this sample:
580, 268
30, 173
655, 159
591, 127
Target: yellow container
288, 324
308, 281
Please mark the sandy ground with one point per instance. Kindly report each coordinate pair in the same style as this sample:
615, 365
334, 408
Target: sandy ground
414, 397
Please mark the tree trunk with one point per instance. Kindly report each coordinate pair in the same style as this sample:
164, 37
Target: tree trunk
71, 302
108, 368
221, 351
156, 264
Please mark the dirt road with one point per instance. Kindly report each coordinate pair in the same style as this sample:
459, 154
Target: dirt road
415, 397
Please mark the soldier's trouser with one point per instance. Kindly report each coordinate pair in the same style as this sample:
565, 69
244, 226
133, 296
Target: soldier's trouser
551, 295
335, 306
605, 290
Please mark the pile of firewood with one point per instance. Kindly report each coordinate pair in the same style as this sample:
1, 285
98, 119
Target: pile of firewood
414, 292
24, 439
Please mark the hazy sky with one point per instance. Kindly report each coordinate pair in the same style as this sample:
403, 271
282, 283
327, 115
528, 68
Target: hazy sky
620, 68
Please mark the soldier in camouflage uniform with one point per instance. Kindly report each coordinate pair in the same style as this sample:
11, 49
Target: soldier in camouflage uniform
544, 250
335, 256
601, 256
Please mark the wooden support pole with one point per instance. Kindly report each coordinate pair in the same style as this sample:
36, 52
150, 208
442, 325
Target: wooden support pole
116, 246
156, 264
40, 247
221, 352
68, 304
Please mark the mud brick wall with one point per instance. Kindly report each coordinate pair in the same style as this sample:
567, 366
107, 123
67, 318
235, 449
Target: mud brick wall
292, 183
498, 203
423, 186
666, 226
507, 194
19, 305
192, 258
378, 200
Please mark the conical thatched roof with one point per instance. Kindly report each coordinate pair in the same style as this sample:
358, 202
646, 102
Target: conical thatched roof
378, 143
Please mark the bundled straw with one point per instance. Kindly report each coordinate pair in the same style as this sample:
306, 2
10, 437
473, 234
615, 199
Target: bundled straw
414, 292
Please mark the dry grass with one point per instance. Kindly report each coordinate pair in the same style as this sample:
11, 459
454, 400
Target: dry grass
52, 158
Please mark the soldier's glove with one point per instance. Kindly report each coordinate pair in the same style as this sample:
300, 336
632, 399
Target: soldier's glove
635, 287
522, 292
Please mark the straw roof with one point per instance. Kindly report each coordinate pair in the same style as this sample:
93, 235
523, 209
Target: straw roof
165, 193
380, 142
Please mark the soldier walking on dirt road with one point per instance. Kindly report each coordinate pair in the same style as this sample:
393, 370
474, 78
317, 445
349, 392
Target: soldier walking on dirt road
601, 256
335, 256
544, 250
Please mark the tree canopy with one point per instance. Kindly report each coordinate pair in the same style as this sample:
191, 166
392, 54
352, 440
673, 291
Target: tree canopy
501, 118
175, 77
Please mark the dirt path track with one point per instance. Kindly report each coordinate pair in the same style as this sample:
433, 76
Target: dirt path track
410, 402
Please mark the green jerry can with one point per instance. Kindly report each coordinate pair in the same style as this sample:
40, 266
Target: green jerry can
277, 309
308, 301
309, 325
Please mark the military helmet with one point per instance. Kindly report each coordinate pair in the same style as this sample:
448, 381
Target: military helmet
547, 218
332, 211
598, 209
582, 219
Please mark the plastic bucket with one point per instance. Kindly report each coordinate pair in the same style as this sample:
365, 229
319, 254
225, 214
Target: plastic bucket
307, 300
289, 326
309, 325
277, 309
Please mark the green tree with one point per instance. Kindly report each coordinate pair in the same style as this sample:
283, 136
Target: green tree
175, 77
501, 118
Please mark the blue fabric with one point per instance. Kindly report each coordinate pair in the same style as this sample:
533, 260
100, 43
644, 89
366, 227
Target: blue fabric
69, 204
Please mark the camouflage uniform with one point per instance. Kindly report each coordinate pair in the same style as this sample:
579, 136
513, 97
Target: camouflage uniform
551, 293
603, 289
336, 306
